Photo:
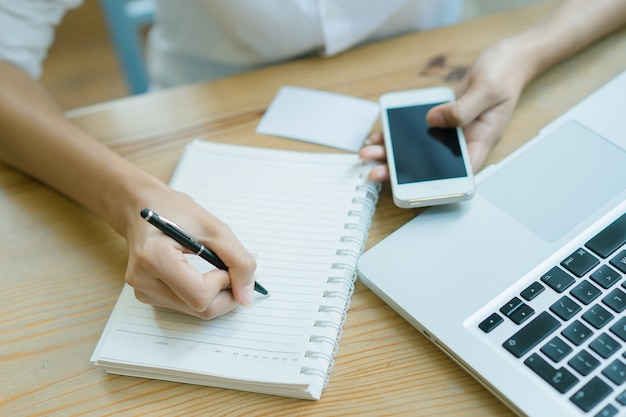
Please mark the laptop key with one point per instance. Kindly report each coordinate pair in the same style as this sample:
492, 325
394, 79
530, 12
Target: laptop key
616, 372
605, 276
610, 238
580, 262
597, 316
532, 291
522, 314
531, 334
608, 411
616, 300
565, 308
561, 379
490, 323
619, 328
577, 333
585, 292
619, 261
557, 279
584, 362
604, 345
511, 306
556, 349
591, 394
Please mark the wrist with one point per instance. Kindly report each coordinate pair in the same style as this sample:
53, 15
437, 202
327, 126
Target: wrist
525, 52
130, 190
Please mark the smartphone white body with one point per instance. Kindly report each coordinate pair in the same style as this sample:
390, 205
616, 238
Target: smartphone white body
427, 166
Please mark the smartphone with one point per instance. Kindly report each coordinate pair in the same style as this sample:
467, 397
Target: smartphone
427, 166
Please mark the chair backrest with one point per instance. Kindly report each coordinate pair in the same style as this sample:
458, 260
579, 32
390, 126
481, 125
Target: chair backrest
125, 20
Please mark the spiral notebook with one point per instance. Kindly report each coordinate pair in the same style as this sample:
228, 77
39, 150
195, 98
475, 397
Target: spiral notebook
306, 217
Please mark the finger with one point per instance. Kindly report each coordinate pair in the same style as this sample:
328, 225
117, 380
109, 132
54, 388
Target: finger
241, 263
464, 84
375, 138
217, 236
155, 288
481, 137
379, 173
193, 288
161, 295
373, 153
478, 154
477, 99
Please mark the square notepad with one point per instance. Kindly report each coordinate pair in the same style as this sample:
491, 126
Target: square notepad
320, 117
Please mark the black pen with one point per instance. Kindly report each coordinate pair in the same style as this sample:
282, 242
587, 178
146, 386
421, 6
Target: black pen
177, 233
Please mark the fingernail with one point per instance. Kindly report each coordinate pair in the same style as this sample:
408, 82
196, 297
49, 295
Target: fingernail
436, 119
248, 295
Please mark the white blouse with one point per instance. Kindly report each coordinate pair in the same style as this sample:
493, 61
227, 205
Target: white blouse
195, 40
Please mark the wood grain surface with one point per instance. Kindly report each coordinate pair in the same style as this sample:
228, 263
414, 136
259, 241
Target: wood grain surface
62, 268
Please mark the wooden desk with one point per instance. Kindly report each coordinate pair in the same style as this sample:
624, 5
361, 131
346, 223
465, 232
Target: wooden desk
61, 268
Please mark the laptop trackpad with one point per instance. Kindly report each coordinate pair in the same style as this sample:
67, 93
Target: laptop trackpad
559, 181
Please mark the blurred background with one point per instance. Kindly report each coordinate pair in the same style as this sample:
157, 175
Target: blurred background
82, 67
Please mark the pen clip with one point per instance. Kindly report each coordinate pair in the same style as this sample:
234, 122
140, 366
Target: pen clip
180, 229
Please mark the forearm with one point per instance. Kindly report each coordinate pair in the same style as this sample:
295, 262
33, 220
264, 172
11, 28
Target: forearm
37, 140
570, 28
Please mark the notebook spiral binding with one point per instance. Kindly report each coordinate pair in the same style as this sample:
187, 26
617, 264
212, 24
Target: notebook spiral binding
333, 315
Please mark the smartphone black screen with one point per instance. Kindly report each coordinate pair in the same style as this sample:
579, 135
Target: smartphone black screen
422, 153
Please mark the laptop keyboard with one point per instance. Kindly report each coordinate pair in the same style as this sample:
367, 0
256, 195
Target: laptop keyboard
577, 343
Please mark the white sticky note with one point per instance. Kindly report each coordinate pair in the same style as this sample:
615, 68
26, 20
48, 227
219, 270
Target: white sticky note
320, 117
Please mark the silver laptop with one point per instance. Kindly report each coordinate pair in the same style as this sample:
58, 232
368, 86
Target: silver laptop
525, 285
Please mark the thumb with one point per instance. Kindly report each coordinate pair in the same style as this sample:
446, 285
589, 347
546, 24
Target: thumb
473, 102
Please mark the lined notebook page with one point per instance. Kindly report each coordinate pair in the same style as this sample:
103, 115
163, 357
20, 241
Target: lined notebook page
305, 217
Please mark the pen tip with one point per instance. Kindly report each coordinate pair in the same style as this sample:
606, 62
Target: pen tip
260, 289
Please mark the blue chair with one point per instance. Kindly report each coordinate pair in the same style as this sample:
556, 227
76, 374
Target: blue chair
125, 20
